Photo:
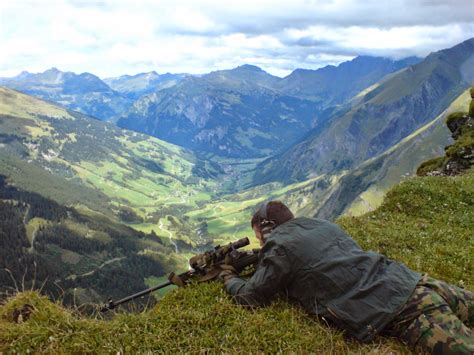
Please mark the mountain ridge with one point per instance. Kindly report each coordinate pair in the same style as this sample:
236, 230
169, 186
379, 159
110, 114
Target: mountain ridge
248, 90
336, 81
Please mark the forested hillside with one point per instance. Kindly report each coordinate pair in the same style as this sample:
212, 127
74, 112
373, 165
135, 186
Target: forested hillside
80, 258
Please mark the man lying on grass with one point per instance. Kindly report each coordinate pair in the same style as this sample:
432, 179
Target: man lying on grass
318, 265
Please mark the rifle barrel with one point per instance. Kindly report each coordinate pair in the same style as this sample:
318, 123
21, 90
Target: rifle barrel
113, 304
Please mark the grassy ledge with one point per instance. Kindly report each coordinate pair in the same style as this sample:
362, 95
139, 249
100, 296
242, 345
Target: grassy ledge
425, 222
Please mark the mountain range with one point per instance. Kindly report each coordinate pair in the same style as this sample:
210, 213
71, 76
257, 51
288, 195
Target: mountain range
246, 112
310, 123
81, 92
243, 112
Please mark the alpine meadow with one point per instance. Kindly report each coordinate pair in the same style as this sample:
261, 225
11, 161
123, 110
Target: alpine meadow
137, 140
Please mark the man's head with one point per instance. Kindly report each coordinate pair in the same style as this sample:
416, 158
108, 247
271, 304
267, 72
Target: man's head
268, 216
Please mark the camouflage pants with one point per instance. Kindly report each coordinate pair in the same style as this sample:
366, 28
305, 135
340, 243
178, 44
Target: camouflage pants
436, 319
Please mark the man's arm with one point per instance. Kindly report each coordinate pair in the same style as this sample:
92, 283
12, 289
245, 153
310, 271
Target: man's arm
271, 277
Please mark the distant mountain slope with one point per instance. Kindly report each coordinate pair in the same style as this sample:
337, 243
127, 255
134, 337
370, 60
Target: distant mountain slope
363, 189
134, 86
385, 115
84, 92
334, 85
84, 162
233, 113
244, 112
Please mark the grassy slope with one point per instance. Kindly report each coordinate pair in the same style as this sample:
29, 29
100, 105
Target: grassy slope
425, 222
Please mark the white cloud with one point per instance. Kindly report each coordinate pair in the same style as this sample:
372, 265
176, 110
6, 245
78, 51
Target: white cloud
111, 38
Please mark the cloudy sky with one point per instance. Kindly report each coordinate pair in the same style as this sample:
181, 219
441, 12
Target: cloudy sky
111, 38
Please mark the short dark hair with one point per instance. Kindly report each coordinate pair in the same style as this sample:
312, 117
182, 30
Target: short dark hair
276, 211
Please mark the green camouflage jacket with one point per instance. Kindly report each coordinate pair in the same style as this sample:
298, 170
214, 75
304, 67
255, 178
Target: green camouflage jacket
315, 263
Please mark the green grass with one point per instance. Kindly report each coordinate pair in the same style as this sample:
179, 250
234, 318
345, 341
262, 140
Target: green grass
424, 222
429, 166
33, 225
427, 223
196, 319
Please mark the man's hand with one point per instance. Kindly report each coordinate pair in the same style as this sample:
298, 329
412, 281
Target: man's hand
228, 272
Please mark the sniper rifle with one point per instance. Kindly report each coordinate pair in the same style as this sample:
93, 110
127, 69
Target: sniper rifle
206, 266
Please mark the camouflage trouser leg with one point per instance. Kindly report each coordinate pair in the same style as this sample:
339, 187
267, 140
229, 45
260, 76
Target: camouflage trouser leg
432, 320
460, 301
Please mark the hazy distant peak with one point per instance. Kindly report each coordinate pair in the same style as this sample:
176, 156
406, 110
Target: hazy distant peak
23, 74
152, 73
249, 67
52, 70
147, 75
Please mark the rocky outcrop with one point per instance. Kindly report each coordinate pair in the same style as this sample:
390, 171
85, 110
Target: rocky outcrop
460, 155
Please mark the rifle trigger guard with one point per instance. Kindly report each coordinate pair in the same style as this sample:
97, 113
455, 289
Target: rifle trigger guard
211, 274
175, 279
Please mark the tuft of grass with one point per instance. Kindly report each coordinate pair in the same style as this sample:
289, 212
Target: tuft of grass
454, 117
429, 166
